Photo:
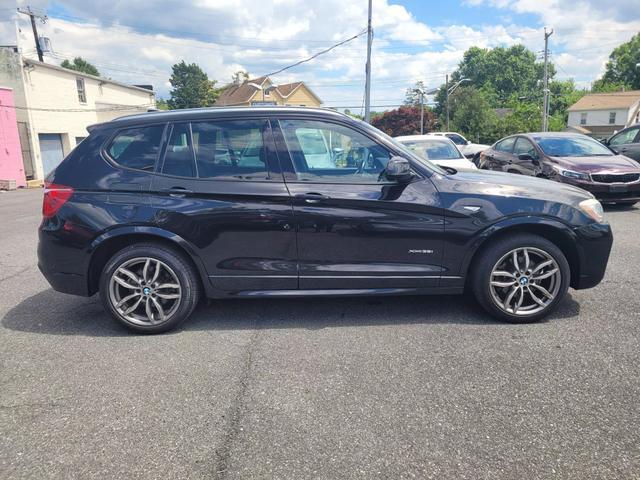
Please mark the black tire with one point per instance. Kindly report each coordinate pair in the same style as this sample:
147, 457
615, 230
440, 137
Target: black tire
186, 276
487, 259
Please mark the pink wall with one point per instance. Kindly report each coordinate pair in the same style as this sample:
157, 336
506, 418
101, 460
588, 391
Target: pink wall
11, 167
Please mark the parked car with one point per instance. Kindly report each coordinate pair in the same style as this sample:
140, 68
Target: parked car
626, 142
155, 211
440, 150
568, 158
468, 149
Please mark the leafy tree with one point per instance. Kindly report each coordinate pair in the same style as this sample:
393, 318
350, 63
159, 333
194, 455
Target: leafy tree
191, 87
239, 77
404, 121
162, 104
621, 68
473, 115
352, 115
412, 97
79, 64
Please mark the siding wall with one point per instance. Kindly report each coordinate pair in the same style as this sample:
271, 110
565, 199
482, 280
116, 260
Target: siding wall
11, 167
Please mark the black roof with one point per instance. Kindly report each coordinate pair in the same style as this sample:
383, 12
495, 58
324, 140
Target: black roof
212, 112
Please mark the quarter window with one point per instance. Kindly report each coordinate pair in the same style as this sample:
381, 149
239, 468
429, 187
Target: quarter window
82, 93
331, 153
137, 147
231, 149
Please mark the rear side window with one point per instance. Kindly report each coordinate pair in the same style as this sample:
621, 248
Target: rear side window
506, 145
231, 149
137, 148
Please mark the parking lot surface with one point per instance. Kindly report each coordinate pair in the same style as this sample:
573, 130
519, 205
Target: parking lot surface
404, 387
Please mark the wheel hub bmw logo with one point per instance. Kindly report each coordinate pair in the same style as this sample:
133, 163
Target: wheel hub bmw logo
524, 281
146, 290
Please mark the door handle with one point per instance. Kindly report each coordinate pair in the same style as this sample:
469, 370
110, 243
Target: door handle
312, 197
177, 192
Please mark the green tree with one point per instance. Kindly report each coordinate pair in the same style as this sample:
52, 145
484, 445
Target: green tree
473, 115
239, 77
622, 66
191, 87
412, 97
162, 104
79, 64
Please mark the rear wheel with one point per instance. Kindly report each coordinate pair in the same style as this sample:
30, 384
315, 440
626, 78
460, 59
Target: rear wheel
521, 279
149, 288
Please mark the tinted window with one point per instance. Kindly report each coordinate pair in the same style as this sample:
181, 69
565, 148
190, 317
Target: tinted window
578, 146
137, 147
505, 145
457, 139
434, 149
232, 149
327, 152
525, 146
178, 158
622, 138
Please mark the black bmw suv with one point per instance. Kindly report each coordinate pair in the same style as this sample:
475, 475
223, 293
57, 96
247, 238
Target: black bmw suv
155, 211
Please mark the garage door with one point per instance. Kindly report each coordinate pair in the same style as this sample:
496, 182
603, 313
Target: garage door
50, 150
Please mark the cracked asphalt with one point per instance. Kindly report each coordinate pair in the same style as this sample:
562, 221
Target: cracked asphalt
420, 387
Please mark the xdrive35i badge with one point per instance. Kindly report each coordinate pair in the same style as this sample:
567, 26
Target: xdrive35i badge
424, 252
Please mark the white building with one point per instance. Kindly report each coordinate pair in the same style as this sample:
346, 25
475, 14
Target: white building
602, 114
55, 105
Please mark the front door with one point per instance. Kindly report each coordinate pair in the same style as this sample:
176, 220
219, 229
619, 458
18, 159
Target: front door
524, 157
627, 143
219, 186
51, 151
355, 229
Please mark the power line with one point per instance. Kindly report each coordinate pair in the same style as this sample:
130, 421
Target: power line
115, 108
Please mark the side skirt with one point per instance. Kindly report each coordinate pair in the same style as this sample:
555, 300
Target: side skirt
344, 292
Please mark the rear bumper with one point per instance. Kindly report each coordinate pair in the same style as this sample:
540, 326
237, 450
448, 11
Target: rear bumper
62, 263
70, 283
594, 246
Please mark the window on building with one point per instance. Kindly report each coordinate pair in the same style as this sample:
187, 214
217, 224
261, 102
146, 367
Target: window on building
583, 118
612, 118
82, 94
137, 147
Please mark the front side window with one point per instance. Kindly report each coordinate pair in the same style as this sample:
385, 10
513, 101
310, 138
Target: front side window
82, 93
628, 136
332, 153
524, 146
457, 139
434, 149
572, 146
137, 147
231, 149
612, 118
505, 145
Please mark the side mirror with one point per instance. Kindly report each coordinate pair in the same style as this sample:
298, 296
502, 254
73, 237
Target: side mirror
535, 162
398, 170
604, 141
525, 157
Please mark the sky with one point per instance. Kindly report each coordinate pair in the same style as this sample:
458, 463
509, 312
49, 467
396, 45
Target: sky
137, 41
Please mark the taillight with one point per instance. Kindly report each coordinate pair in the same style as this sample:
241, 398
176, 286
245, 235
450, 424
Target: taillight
55, 196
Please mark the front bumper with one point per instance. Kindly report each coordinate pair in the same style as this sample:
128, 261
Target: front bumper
607, 192
594, 243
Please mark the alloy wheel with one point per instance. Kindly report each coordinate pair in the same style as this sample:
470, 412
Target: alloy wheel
525, 281
145, 291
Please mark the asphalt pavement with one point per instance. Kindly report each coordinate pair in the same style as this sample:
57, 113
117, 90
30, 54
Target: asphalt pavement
384, 388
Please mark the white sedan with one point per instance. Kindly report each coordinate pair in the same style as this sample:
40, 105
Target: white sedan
468, 149
437, 149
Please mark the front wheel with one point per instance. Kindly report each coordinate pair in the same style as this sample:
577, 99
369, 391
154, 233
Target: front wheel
521, 278
149, 288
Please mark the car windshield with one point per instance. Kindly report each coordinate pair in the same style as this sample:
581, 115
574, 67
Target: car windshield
403, 148
562, 146
433, 149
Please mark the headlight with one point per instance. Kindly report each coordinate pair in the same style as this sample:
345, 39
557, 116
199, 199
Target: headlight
572, 174
593, 208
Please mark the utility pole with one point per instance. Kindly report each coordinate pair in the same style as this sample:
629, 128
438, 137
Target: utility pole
367, 86
421, 112
446, 89
43, 18
545, 91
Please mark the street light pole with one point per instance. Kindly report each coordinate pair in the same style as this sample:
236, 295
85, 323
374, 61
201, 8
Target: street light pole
446, 89
367, 86
545, 91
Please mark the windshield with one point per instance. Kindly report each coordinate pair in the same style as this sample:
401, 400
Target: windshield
561, 146
408, 153
433, 149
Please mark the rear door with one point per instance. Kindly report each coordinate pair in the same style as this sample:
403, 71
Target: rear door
627, 143
219, 186
503, 155
356, 230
